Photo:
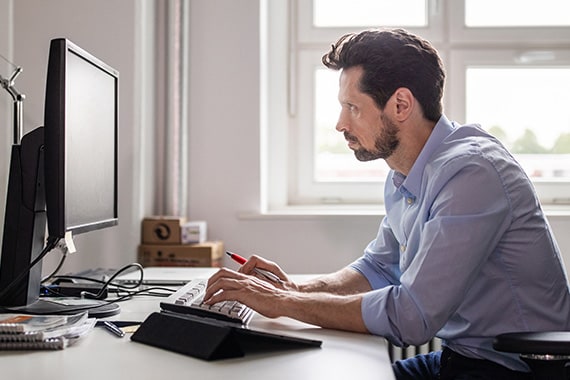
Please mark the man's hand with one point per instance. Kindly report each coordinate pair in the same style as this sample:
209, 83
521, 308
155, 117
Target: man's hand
257, 262
259, 294
331, 301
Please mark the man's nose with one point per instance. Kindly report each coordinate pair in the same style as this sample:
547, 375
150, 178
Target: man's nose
341, 124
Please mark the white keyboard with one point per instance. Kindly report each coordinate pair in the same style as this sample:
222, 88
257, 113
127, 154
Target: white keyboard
189, 300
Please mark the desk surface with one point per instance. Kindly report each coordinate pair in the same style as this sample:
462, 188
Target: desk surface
101, 355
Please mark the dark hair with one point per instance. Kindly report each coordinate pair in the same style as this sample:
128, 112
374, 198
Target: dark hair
391, 59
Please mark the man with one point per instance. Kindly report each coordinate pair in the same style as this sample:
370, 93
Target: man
464, 253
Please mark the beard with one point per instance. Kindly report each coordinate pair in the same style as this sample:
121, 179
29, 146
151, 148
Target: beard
384, 146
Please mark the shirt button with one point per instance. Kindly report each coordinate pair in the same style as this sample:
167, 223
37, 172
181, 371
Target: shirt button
409, 200
402, 248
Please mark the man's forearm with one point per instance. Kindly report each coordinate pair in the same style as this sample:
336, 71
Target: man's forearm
330, 301
341, 312
345, 281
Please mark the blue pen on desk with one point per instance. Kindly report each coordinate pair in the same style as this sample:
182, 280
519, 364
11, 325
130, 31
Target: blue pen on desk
113, 328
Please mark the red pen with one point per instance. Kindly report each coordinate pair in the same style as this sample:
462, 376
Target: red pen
241, 260
237, 258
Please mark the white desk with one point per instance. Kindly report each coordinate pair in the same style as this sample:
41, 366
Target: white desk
101, 356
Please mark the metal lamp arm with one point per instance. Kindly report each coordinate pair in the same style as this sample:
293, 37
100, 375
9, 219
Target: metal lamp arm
8, 85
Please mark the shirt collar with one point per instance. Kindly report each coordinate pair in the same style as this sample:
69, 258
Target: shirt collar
411, 184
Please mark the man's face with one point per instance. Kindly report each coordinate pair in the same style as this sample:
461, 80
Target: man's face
370, 133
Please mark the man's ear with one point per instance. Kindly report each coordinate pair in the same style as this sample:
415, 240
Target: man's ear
405, 103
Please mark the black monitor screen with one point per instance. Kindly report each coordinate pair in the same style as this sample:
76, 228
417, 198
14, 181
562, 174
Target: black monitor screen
81, 119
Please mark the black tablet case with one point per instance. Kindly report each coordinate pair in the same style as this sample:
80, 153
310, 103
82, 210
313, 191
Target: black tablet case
210, 339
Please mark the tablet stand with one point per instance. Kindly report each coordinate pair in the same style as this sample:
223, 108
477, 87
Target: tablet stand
210, 339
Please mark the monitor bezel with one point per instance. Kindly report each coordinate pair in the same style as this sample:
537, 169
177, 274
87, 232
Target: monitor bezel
55, 141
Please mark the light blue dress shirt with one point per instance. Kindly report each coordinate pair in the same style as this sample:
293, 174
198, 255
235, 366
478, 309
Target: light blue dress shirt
464, 252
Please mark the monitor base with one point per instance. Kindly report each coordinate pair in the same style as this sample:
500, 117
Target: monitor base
68, 305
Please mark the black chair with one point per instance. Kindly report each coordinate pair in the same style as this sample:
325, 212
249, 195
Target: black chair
546, 353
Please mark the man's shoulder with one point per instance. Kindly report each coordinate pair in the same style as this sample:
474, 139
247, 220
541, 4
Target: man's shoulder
469, 142
468, 146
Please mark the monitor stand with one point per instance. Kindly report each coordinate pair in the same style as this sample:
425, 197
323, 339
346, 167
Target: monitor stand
24, 223
24, 238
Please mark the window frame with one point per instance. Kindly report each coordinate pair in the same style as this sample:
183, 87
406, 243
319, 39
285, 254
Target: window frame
308, 34
460, 34
550, 191
295, 50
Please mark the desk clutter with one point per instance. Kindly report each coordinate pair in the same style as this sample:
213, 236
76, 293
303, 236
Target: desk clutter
42, 332
174, 241
197, 348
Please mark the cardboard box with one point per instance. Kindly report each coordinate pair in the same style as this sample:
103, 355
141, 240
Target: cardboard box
207, 254
193, 232
162, 229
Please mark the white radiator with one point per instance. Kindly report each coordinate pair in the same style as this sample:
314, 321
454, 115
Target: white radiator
398, 353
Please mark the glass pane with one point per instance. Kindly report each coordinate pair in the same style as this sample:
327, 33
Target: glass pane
347, 13
334, 161
527, 109
510, 13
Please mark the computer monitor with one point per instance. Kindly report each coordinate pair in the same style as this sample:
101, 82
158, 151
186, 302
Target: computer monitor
81, 118
64, 174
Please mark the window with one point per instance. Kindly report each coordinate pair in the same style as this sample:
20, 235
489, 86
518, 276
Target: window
541, 140
516, 13
508, 70
336, 13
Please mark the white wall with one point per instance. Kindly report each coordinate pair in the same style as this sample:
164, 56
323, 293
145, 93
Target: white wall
224, 150
107, 29
5, 101
224, 168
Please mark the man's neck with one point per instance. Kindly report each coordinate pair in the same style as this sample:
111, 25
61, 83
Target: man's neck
413, 138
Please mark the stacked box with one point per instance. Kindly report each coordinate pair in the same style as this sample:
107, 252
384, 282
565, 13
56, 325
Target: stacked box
208, 254
162, 229
193, 232
172, 241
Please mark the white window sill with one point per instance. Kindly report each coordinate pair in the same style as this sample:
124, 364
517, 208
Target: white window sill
327, 211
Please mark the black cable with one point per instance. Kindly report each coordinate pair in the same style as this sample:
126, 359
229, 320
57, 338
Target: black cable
78, 309
121, 299
118, 288
146, 292
110, 280
59, 265
50, 244
106, 284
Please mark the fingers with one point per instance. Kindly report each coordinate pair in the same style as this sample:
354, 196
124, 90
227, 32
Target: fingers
258, 294
225, 289
227, 284
222, 273
258, 262
214, 285
249, 284
253, 262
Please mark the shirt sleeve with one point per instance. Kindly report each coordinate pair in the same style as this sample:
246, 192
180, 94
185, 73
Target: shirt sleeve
466, 213
380, 261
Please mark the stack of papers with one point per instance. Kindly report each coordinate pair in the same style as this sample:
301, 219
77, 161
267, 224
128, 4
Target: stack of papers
42, 332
